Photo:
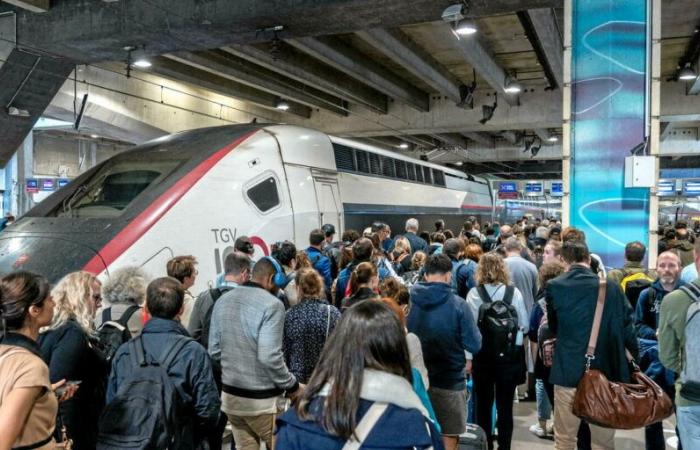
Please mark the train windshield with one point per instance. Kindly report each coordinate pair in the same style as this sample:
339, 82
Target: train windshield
113, 188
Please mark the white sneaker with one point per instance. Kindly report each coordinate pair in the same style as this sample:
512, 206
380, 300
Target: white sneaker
537, 430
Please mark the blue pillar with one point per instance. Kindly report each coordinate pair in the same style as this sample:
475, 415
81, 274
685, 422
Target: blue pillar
608, 97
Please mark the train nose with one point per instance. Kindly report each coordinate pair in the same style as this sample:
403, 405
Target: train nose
52, 257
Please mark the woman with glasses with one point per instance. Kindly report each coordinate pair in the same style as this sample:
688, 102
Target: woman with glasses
68, 346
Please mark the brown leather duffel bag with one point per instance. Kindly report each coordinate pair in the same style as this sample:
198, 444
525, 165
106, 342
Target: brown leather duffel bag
609, 404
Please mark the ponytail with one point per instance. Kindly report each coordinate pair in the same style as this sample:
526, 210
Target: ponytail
362, 274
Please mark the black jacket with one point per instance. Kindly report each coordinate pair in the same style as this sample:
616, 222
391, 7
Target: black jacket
70, 355
571, 300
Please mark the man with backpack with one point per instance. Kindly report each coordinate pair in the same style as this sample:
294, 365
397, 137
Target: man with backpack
633, 278
236, 272
161, 392
319, 261
646, 319
463, 270
679, 347
446, 328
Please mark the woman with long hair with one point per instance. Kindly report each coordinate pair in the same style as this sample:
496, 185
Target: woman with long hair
361, 390
499, 366
307, 325
69, 347
364, 283
28, 400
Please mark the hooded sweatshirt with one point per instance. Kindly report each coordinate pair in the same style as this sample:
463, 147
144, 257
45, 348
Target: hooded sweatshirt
446, 328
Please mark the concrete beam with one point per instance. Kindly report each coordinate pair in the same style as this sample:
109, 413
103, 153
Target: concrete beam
291, 63
512, 137
480, 138
174, 70
337, 54
400, 48
92, 31
453, 139
35, 6
479, 57
676, 106
228, 66
543, 33
665, 129
27, 82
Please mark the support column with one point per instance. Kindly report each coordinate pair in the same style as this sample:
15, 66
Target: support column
606, 103
25, 169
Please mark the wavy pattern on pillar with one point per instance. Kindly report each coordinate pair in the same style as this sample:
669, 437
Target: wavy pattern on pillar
608, 97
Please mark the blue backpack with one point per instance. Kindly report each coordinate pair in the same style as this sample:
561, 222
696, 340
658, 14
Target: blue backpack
148, 411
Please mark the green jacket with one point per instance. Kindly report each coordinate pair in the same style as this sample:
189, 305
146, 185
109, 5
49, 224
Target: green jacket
672, 335
617, 275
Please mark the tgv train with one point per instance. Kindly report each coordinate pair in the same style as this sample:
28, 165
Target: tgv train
194, 192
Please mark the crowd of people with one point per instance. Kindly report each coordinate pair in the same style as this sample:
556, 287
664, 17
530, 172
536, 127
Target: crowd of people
367, 341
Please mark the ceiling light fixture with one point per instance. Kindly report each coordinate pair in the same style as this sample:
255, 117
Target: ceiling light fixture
17, 112
94, 136
403, 145
282, 105
512, 86
553, 138
459, 163
456, 16
687, 73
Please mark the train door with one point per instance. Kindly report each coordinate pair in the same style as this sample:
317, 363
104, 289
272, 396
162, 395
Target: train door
330, 207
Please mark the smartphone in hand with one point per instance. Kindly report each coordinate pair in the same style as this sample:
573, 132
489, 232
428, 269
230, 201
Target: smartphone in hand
60, 391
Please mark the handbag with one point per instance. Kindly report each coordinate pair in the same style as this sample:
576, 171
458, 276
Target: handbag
617, 405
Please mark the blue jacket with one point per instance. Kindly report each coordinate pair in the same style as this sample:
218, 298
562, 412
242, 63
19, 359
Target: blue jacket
417, 242
398, 428
463, 276
190, 371
344, 278
446, 328
646, 313
322, 265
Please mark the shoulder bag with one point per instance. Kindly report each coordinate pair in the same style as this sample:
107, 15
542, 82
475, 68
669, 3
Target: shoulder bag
622, 406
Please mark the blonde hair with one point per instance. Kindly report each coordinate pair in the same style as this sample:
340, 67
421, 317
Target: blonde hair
402, 245
491, 270
309, 283
418, 260
71, 296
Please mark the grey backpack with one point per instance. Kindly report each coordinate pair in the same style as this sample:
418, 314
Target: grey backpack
690, 376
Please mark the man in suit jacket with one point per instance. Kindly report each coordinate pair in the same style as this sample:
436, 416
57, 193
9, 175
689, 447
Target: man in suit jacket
571, 302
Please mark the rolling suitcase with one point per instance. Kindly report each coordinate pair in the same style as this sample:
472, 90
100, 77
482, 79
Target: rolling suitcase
473, 439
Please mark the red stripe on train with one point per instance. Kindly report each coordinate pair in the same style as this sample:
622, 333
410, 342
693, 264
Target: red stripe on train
156, 210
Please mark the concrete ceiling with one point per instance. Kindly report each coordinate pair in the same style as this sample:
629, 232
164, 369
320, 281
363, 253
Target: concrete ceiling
389, 72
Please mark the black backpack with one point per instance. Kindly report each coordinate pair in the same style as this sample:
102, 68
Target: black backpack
633, 284
148, 411
215, 293
113, 333
498, 323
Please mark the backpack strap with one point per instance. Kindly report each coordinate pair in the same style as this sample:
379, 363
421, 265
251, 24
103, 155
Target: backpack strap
692, 291
174, 350
106, 314
124, 319
215, 293
364, 428
485, 297
508, 295
138, 355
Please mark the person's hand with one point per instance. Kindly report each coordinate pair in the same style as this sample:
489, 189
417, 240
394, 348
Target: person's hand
64, 392
296, 395
469, 367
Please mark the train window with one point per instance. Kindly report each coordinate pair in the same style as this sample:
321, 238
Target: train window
362, 162
388, 169
264, 195
411, 171
438, 177
400, 169
343, 157
419, 173
427, 175
374, 166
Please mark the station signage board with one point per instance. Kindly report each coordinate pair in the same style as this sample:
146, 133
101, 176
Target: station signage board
63, 182
508, 187
666, 187
534, 188
48, 184
32, 185
691, 187
557, 189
